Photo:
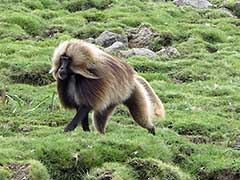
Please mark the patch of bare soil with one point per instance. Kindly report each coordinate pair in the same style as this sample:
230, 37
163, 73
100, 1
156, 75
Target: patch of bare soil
20, 171
221, 174
107, 175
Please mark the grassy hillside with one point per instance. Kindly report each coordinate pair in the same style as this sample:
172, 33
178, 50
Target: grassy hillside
200, 90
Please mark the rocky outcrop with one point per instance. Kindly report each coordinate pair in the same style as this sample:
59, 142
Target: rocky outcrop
107, 38
140, 37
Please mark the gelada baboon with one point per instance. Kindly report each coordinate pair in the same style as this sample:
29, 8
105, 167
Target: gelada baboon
89, 79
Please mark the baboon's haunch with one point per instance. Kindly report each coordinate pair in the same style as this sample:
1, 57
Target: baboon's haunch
89, 79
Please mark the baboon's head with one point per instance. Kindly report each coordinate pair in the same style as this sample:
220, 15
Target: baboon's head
64, 69
75, 57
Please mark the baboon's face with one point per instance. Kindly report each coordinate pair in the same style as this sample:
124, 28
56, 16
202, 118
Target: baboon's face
64, 70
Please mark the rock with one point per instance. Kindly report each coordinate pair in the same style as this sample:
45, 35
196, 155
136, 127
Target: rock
237, 5
194, 3
90, 40
24, 129
168, 51
138, 52
236, 8
107, 38
140, 37
228, 12
237, 144
115, 47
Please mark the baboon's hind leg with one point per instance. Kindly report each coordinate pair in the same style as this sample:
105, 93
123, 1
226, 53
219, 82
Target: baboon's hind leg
140, 108
100, 118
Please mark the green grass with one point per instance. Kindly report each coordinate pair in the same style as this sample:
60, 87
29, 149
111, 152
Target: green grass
200, 91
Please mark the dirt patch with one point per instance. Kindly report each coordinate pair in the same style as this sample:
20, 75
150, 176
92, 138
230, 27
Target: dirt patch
49, 33
198, 139
151, 169
24, 129
107, 175
222, 174
3, 95
20, 171
211, 49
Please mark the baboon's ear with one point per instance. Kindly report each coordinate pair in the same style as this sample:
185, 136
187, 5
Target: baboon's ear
90, 73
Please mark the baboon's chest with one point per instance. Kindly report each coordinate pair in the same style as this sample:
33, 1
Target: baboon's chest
67, 93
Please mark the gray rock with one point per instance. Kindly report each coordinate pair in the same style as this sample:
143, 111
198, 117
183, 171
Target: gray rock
138, 52
228, 12
140, 37
194, 3
90, 40
115, 47
168, 51
237, 145
237, 8
237, 5
107, 38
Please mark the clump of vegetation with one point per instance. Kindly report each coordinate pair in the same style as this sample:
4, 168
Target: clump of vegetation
148, 169
78, 5
164, 39
234, 6
36, 74
4, 174
37, 171
33, 4
111, 171
211, 35
32, 25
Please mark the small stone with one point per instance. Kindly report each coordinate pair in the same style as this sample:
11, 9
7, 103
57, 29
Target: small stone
138, 52
115, 47
168, 51
90, 40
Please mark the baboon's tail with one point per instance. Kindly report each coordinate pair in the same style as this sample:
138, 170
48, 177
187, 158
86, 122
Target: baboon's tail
157, 103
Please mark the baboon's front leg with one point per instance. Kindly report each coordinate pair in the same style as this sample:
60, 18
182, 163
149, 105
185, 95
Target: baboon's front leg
85, 124
81, 114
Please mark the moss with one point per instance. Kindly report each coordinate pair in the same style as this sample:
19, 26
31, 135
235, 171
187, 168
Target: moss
37, 74
94, 16
148, 169
10, 30
61, 165
232, 6
211, 35
78, 5
50, 4
4, 174
32, 25
37, 171
111, 171
88, 31
33, 4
